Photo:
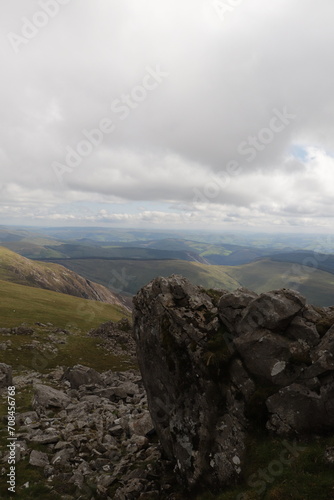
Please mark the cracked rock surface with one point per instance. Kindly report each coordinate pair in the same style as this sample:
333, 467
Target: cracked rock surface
207, 356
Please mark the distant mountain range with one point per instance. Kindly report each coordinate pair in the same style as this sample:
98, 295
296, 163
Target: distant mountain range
123, 261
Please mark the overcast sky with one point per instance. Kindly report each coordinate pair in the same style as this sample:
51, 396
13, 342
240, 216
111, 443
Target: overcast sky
168, 113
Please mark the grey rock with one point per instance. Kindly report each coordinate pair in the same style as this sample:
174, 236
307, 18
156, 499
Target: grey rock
45, 438
61, 445
232, 305
303, 331
329, 455
103, 483
131, 490
241, 379
272, 311
82, 375
116, 430
141, 424
21, 449
172, 322
323, 354
77, 479
267, 356
27, 418
296, 410
38, 459
48, 397
204, 367
62, 457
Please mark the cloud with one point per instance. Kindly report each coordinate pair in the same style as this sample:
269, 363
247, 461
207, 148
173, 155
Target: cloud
226, 83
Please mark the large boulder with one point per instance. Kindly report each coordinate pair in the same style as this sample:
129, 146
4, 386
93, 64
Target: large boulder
197, 415
82, 375
48, 397
272, 311
214, 363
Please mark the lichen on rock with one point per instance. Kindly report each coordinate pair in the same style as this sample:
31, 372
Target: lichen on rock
209, 361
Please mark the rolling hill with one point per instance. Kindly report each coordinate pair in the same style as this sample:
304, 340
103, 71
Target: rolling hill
208, 253
324, 262
264, 275
54, 330
125, 260
25, 304
128, 276
20, 270
102, 243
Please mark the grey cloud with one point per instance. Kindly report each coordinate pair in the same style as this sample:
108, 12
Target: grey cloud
228, 83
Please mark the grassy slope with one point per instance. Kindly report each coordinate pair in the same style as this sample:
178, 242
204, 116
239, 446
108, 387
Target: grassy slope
20, 303
35, 250
129, 276
23, 304
317, 286
260, 276
18, 269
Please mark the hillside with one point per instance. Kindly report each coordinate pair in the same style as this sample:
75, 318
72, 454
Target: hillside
90, 243
17, 269
45, 312
124, 261
128, 276
207, 253
264, 275
25, 304
322, 261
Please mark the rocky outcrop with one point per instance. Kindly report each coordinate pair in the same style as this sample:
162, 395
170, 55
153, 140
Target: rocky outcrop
212, 361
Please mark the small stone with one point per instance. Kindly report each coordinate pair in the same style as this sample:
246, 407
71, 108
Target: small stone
329, 455
116, 430
38, 459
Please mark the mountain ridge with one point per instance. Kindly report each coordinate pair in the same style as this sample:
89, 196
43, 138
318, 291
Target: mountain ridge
20, 270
